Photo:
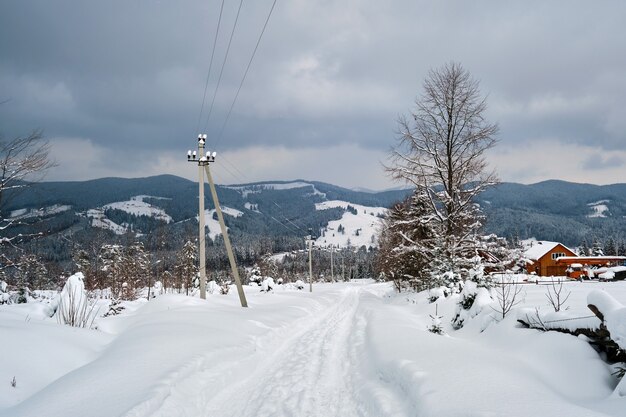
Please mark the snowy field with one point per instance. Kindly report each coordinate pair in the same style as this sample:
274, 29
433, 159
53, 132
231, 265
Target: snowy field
347, 349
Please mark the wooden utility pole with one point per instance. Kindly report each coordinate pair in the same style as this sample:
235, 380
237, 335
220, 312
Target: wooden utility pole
203, 166
229, 249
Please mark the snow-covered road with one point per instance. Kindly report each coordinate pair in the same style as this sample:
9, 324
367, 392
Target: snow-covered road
312, 372
345, 350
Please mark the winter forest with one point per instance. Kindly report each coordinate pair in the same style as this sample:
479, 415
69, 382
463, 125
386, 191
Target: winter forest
452, 292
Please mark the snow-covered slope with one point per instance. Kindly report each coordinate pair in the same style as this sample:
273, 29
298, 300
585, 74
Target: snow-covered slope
135, 206
600, 209
257, 188
42, 212
99, 219
352, 229
138, 207
213, 225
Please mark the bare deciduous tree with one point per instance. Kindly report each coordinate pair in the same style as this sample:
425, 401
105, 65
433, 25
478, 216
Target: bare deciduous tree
23, 161
441, 151
556, 296
507, 295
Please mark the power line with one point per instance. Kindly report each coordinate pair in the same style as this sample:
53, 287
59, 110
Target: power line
283, 224
246, 72
219, 79
235, 168
243, 179
256, 46
228, 170
206, 83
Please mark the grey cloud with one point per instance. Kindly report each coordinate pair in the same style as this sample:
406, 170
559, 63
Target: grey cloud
130, 74
598, 161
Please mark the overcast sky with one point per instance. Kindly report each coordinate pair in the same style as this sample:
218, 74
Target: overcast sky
117, 86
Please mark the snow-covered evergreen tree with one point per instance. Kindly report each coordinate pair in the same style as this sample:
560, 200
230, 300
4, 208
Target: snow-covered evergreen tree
610, 247
406, 245
597, 249
30, 273
82, 262
137, 267
111, 260
186, 270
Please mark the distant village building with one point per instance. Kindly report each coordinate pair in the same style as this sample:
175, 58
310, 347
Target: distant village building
541, 258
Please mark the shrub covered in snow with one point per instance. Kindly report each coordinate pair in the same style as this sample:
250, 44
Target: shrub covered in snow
4, 294
115, 308
22, 295
299, 284
435, 294
268, 284
254, 275
435, 326
472, 299
74, 308
212, 287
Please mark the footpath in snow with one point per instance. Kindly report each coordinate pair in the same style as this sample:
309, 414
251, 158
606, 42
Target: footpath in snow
355, 349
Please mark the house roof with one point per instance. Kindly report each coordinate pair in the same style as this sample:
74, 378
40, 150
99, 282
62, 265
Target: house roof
600, 258
540, 248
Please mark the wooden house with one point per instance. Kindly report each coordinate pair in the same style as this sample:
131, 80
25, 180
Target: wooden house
541, 258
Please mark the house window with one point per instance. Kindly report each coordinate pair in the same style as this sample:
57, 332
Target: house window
556, 255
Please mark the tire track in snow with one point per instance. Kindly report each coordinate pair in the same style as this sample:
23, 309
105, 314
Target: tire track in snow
311, 374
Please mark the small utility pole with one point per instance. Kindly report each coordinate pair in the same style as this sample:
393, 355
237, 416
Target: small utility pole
343, 276
332, 273
309, 240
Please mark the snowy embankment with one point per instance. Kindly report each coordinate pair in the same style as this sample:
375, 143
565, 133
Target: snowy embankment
489, 367
355, 349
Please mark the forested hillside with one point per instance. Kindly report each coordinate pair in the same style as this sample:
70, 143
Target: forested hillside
272, 217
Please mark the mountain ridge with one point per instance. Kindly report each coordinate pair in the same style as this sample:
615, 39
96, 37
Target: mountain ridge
552, 209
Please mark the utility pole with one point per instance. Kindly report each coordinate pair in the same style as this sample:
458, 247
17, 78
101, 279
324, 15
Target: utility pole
229, 248
309, 240
332, 273
203, 166
343, 276
202, 161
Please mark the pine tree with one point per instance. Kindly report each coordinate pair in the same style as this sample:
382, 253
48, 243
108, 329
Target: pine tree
597, 249
82, 263
610, 247
186, 270
111, 261
136, 268
584, 248
406, 245
30, 273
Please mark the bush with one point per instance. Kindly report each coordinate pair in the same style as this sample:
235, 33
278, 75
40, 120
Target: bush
74, 309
